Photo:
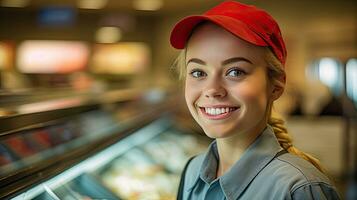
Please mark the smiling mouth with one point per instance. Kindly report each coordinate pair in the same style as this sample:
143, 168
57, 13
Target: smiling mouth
218, 111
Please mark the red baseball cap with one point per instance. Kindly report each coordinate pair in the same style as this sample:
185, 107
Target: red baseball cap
244, 21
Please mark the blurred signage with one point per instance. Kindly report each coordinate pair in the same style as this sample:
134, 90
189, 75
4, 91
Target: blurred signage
51, 56
120, 58
5, 55
57, 16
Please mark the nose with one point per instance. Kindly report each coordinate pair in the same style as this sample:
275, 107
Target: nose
215, 89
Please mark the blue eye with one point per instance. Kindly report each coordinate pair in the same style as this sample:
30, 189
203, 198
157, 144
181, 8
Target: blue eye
197, 73
235, 72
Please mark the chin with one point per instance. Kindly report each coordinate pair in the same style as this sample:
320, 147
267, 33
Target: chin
219, 132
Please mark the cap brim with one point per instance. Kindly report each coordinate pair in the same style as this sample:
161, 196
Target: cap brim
182, 30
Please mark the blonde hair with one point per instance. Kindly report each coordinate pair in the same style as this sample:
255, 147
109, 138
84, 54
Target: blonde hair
275, 74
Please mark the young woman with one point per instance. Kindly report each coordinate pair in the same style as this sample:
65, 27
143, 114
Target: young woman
233, 65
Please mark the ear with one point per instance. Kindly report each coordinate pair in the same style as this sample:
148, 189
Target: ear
277, 92
278, 89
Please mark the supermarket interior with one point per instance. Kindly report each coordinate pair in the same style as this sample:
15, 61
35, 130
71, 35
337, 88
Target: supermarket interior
91, 106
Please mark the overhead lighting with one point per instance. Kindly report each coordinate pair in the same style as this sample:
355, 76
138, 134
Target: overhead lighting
92, 4
351, 76
329, 70
108, 34
148, 5
14, 3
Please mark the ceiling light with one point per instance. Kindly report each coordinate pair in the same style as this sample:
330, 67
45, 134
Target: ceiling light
149, 5
92, 4
14, 3
351, 79
328, 71
108, 35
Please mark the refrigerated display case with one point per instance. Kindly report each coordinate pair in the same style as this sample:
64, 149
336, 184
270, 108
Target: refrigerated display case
127, 149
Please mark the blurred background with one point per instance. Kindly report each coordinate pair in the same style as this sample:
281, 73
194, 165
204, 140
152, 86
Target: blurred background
91, 107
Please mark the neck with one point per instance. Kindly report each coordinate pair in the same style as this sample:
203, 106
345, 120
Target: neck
231, 149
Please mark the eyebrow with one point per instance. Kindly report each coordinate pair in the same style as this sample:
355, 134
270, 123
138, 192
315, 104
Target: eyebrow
196, 60
236, 59
225, 62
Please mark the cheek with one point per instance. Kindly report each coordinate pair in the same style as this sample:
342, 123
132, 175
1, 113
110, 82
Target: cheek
254, 94
191, 92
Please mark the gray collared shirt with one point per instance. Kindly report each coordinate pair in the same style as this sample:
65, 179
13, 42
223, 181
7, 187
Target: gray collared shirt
258, 174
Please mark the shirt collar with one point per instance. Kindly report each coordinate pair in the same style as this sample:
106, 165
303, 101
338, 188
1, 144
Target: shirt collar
255, 158
203, 167
210, 163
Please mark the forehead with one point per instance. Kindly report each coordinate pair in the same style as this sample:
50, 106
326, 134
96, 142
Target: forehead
211, 41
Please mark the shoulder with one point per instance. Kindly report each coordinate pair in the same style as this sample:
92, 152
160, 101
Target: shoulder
298, 169
299, 178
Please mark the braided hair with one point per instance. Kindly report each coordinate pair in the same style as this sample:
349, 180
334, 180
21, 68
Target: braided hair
275, 72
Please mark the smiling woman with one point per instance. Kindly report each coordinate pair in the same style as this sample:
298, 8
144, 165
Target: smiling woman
232, 64
223, 80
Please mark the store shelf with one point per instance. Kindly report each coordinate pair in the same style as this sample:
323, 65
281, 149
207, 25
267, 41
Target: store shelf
139, 138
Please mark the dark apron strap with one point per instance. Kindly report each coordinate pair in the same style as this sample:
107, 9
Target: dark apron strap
182, 181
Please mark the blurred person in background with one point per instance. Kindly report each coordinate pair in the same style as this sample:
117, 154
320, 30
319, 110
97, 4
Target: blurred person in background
232, 63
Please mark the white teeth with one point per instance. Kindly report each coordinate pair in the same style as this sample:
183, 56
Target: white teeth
218, 111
